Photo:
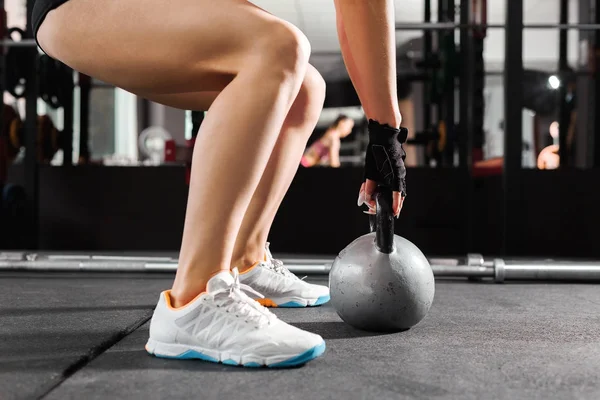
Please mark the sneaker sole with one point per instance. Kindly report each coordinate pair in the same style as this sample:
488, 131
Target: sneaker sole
182, 352
293, 302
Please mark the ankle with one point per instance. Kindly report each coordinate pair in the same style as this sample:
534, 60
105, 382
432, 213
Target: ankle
244, 263
189, 284
249, 252
179, 297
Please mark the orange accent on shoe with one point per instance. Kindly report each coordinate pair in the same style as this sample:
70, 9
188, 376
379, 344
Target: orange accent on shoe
267, 303
168, 300
249, 268
167, 294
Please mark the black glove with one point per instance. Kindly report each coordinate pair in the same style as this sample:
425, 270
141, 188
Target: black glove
384, 162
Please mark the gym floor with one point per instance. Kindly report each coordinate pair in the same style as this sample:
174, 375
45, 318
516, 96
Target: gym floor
82, 336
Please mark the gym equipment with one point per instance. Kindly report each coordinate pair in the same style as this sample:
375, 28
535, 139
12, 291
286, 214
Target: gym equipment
55, 81
17, 65
85, 89
523, 270
48, 138
440, 26
152, 143
472, 266
434, 140
381, 282
10, 132
23, 261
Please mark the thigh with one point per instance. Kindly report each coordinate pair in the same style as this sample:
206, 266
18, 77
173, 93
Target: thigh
193, 101
156, 46
202, 100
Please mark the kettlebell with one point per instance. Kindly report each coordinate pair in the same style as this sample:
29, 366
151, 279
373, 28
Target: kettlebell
381, 282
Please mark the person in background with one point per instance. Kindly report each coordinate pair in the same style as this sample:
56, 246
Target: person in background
325, 151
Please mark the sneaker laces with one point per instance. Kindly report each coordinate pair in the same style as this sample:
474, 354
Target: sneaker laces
278, 266
235, 301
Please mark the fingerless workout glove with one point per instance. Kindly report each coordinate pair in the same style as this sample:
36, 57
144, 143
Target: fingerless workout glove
384, 162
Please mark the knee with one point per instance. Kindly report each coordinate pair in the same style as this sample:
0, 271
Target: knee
308, 104
313, 87
285, 50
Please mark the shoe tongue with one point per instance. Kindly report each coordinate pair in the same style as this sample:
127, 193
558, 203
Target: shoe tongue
268, 255
222, 280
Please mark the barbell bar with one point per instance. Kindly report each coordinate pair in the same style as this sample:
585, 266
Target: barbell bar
436, 26
473, 266
18, 43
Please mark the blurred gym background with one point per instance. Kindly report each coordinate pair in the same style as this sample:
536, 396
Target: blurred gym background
503, 154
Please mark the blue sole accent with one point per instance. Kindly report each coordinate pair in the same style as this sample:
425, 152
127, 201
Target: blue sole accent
252, 365
292, 304
322, 300
302, 358
190, 355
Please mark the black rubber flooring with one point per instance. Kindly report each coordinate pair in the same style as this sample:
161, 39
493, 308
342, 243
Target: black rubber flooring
53, 324
82, 336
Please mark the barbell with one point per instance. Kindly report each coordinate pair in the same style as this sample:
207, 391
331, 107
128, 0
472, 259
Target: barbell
473, 266
18, 43
437, 26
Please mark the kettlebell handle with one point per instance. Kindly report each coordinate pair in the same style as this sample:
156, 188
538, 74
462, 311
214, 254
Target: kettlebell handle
383, 222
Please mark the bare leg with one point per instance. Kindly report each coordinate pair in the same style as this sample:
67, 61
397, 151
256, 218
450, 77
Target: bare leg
253, 52
281, 168
280, 171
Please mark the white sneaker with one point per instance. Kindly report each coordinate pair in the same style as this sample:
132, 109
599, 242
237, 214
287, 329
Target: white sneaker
280, 287
225, 325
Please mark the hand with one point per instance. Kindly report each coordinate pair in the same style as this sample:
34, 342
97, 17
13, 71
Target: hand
366, 196
384, 165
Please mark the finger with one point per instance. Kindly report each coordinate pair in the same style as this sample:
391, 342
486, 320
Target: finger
396, 203
370, 187
361, 195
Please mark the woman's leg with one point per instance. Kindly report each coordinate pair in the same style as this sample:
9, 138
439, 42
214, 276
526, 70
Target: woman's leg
281, 168
278, 286
256, 61
280, 171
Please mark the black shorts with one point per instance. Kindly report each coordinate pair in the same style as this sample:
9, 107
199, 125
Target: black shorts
41, 8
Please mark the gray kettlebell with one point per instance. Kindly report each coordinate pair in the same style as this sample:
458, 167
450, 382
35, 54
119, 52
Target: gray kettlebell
381, 282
